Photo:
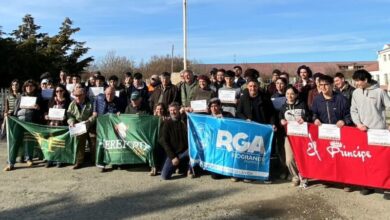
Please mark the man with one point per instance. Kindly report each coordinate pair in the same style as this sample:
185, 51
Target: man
76, 79
238, 80
271, 88
305, 83
188, 88
330, 107
343, 87
80, 111
137, 105
256, 106
104, 104
315, 91
63, 76
369, 103
154, 82
219, 79
140, 86
165, 93
113, 81
107, 103
230, 86
174, 140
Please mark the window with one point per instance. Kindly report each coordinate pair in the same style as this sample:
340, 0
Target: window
384, 57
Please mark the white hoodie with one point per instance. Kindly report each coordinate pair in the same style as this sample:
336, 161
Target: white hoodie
368, 107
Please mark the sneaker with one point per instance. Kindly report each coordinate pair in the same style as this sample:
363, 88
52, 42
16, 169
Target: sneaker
347, 189
153, 171
29, 163
48, 164
366, 191
247, 181
8, 168
190, 174
76, 166
267, 181
234, 179
295, 182
386, 195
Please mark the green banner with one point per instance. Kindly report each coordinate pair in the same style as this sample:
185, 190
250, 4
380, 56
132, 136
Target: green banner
126, 139
55, 142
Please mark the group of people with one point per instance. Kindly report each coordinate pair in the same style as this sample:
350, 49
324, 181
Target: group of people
317, 98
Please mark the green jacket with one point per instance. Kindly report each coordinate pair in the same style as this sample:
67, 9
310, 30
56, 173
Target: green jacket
75, 116
186, 92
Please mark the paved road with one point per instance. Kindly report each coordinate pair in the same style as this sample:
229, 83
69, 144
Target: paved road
62, 193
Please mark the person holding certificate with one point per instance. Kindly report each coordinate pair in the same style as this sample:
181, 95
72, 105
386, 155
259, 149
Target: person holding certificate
229, 94
80, 111
28, 108
369, 103
56, 115
293, 110
202, 92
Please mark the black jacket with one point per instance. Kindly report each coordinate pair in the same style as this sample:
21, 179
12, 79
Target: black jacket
258, 109
173, 137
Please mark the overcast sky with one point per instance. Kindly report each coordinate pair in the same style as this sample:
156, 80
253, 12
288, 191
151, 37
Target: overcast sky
220, 31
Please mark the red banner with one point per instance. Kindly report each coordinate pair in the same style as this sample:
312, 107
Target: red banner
350, 160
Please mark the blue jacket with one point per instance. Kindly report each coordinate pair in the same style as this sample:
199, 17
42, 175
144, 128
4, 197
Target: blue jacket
102, 107
333, 110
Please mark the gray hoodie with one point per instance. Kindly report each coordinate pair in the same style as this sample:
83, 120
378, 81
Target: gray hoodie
368, 107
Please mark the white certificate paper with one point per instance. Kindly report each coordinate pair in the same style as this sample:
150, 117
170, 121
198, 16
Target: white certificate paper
70, 87
56, 114
329, 131
117, 93
28, 102
95, 91
199, 105
296, 129
78, 129
47, 94
379, 137
227, 96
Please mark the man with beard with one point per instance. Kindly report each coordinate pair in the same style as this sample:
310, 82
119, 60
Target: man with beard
174, 140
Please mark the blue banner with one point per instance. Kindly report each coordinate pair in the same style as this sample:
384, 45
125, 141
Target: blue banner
230, 147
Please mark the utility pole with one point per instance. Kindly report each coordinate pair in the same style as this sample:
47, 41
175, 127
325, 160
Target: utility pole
185, 33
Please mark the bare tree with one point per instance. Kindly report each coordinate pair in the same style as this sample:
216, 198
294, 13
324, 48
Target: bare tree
112, 64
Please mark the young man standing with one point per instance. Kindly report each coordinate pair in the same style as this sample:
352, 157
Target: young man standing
369, 103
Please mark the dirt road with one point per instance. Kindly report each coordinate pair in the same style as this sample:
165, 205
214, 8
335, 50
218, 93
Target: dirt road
62, 193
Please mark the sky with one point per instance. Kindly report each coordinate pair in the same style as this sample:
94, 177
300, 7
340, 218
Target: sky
219, 31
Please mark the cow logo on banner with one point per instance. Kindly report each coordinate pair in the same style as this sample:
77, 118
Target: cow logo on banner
230, 147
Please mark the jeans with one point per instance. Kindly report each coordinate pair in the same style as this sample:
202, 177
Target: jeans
168, 168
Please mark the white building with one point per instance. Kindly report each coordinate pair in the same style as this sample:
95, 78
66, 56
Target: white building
383, 74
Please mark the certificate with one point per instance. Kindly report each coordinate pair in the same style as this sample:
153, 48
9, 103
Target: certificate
95, 91
296, 129
56, 114
47, 94
117, 93
278, 102
28, 102
329, 131
227, 96
199, 105
378, 137
78, 129
70, 87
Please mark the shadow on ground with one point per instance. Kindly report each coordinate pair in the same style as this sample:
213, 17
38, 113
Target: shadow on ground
162, 199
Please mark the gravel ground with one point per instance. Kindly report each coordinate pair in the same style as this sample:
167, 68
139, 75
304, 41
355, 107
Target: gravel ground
62, 193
